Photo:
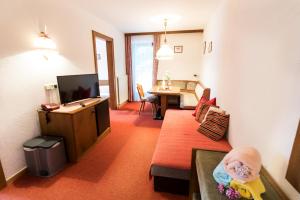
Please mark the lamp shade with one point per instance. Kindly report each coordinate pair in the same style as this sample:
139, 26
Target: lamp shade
165, 52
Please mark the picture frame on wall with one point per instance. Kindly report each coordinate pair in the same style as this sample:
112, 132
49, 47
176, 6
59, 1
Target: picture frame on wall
178, 49
204, 47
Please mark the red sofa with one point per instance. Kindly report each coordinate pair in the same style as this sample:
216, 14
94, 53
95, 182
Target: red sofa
171, 162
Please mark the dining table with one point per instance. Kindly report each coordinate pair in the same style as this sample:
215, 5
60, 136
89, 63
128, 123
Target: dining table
164, 93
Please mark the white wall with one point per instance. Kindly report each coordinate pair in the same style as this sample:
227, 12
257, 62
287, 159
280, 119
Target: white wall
254, 71
23, 72
186, 64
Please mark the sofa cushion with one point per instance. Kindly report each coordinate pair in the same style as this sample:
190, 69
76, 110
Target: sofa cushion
201, 112
202, 101
178, 136
191, 85
215, 125
212, 102
180, 84
199, 91
176, 83
213, 108
188, 100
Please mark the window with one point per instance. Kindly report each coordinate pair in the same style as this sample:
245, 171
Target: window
142, 63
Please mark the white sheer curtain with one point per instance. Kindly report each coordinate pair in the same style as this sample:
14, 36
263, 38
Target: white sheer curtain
142, 63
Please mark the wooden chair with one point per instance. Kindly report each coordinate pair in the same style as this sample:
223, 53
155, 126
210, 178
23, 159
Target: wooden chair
151, 99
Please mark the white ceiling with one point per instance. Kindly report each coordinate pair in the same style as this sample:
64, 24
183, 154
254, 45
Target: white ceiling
147, 15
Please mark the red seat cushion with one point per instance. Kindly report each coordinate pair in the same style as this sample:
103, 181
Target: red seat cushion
178, 136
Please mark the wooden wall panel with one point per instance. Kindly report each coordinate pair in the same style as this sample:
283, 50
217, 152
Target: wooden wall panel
2, 178
293, 175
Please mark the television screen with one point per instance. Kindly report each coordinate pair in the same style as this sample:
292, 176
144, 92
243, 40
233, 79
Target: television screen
77, 87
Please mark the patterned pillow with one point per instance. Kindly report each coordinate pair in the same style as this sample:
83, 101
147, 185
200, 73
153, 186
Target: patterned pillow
201, 112
213, 108
199, 91
215, 125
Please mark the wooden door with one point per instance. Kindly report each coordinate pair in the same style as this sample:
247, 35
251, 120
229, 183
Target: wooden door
2, 178
85, 129
111, 66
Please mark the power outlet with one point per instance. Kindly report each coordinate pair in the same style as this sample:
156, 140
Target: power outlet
50, 86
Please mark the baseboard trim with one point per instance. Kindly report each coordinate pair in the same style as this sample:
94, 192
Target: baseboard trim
23, 171
100, 137
17, 175
122, 104
268, 176
104, 134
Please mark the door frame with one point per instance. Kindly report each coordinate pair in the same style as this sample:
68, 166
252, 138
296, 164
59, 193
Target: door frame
110, 65
2, 178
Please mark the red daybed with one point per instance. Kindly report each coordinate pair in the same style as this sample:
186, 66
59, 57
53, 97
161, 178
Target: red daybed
171, 162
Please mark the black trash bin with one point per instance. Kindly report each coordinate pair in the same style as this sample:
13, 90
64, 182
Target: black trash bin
45, 155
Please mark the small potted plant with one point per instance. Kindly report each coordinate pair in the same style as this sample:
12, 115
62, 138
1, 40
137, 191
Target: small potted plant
168, 78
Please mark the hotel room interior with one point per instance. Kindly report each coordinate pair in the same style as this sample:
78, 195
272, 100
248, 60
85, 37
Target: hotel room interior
151, 100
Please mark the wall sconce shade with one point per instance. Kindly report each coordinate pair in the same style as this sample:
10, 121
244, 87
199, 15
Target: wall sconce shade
44, 42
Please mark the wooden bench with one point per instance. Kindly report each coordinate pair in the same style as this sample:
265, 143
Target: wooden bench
190, 93
203, 185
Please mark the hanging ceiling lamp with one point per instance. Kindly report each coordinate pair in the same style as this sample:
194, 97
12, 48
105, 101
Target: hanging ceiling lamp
44, 41
165, 52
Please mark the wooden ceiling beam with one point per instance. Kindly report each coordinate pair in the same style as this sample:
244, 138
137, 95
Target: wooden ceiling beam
168, 32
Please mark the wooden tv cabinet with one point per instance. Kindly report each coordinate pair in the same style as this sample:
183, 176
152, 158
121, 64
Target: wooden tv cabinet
79, 126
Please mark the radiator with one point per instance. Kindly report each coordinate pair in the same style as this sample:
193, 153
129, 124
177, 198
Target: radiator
122, 89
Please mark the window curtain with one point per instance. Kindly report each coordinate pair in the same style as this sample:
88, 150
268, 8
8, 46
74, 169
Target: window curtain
156, 46
129, 66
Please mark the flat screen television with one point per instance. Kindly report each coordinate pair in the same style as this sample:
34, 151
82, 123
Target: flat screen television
77, 87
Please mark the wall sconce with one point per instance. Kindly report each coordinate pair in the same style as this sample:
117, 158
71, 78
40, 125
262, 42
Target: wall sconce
44, 43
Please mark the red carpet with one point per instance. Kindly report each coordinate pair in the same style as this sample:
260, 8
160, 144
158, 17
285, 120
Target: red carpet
116, 168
